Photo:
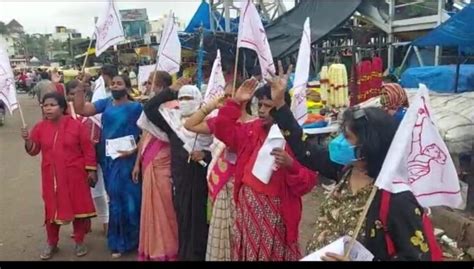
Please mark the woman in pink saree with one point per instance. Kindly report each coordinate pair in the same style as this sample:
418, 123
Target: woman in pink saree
158, 226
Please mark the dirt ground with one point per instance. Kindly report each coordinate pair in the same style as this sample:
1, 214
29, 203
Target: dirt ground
22, 233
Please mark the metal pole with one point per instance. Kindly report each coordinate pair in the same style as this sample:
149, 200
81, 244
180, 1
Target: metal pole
227, 4
458, 67
391, 15
440, 17
418, 55
211, 15
406, 57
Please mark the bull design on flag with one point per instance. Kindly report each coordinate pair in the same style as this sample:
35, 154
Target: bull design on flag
418, 159
421, 157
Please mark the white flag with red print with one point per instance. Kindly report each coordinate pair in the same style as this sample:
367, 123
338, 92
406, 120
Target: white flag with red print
169, 52
252, 36
298, 103
7, 82
418, 159
215, 87
108, 29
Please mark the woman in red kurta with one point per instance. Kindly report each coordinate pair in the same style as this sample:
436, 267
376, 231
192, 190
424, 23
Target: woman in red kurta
68, 168
267, 215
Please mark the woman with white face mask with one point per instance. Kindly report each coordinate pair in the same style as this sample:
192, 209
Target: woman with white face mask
189, 156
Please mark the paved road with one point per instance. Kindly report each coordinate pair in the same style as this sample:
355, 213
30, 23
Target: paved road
22, 233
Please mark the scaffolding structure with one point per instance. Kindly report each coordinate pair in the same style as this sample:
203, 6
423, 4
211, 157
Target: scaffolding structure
228, 9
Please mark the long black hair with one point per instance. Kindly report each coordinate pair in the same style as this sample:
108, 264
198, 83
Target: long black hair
374, 129
59, 98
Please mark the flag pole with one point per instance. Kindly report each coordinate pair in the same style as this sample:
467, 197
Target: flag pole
235, 72
87, 56
21, 116
361, 221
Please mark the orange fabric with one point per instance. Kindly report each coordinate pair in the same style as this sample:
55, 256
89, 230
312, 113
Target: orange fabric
158, 224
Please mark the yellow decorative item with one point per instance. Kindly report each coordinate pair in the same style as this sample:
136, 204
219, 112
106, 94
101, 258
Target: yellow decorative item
419, 240
338, 92
417, 211
324, 83
372, 232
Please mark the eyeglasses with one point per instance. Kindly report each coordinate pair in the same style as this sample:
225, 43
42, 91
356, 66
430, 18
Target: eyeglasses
359, 113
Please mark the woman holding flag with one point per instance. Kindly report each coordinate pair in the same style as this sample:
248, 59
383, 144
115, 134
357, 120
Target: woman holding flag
68, 168
119, 117
395, 228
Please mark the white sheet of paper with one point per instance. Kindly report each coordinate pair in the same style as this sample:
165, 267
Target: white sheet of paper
113, 146
265, 163
358, 252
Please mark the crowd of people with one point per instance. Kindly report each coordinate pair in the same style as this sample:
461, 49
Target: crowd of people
193, 158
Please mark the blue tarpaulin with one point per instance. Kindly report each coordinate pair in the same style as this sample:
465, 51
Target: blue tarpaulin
439, 78
457, 31
202, 18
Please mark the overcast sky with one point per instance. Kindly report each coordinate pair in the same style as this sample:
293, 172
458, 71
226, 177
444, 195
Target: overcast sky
42, 16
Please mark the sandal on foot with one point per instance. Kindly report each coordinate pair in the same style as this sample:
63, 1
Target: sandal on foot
116, 255
48, 252
81, 250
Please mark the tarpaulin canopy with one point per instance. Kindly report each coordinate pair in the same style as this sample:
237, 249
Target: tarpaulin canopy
202, 18
284, 34
455, 32
440, 78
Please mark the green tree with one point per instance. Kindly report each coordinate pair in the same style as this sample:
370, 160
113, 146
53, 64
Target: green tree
3, 28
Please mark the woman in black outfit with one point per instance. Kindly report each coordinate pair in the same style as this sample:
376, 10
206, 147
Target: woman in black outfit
396, 228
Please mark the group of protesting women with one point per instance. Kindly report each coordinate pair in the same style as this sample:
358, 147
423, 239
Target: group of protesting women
190, 156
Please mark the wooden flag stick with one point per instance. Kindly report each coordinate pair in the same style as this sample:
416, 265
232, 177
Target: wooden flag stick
235, 72
87, 56
361, 221
21, 116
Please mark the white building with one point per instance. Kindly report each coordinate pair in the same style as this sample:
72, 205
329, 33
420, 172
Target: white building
7, 42
63, 34
157, 26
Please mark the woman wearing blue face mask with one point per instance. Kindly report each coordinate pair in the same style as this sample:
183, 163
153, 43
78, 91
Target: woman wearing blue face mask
355, 158
119, 117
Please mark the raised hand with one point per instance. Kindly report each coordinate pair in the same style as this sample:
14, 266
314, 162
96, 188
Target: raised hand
246, 90
278, 83
180, 82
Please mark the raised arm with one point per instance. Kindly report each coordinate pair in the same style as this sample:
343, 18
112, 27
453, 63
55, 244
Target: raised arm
82, 107
312, 156
152, 106
197, 123
229, 114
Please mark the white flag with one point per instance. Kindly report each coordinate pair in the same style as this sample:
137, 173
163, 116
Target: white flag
215, 87
144, 72
99, 93
108, 29
7, 83
298, 103
418, 159
169, 53
252, 36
